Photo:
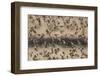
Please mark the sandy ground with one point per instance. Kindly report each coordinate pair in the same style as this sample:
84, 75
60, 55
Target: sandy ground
50, 53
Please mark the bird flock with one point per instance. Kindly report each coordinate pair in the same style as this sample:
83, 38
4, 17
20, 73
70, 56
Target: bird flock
57, 37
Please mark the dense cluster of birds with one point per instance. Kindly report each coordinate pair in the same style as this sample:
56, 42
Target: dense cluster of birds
57, 37
46, 42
